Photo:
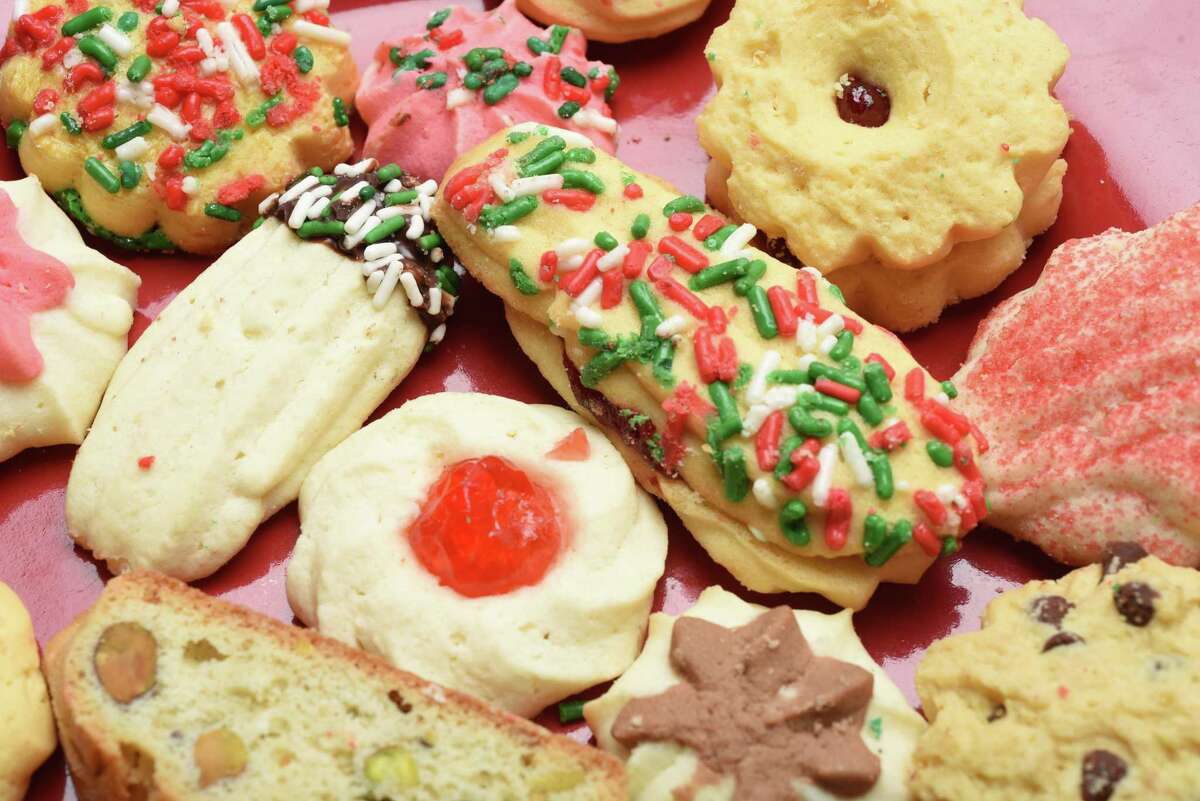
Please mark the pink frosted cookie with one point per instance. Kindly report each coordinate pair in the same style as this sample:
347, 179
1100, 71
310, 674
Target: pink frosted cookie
1088, 386
428, 97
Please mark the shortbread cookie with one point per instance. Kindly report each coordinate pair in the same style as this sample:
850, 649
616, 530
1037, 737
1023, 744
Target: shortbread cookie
265, 362
65, 311
1087, 385
518, 528
429, 96
227, 703
164, 129
27, 736
1082, 689
616, 20
802, 448
862, 133
732, 701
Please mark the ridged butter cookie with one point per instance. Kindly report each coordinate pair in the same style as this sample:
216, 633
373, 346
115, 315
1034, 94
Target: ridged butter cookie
616, 20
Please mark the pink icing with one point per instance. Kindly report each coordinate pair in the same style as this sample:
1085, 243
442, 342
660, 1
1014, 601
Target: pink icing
413, 128
30, 281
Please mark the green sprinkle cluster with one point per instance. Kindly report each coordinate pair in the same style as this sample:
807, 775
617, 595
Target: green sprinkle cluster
153, 240
558, 35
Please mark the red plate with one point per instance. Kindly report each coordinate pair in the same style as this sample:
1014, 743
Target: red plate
1134, 158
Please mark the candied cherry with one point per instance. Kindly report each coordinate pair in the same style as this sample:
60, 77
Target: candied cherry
863, 103
486, 528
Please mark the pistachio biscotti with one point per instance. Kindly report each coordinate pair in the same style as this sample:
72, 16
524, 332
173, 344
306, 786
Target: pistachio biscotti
161, 691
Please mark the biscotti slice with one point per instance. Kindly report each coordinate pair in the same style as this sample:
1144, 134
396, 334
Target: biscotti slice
164, 692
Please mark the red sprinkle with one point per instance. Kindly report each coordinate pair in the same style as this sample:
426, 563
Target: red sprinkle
882, 362
708, 225
766, 441
973, 489
171, 157
818, 315
240, 189
146, 462
548, 267
574, 447
806, 288
716, 355
837, 519
836, 390
552, 79
684, 254
577, 93
965, 461
54, 54
891, 437
784, 311
635, 259
673, 290
85, 72
680, 221
937, 426
633, 191
103, 95
99, 119
804, 469
851, 324
45, 101
914, 385
250, 36
576, 282
932, 506
923, 535
681, 403
283, 43
317, 17
612, 289
574, 199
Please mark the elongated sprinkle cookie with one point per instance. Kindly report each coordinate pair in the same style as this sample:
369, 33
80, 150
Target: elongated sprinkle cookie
804, 449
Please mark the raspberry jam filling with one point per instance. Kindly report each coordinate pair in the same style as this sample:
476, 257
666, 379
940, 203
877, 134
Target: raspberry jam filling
486, 528
863, 103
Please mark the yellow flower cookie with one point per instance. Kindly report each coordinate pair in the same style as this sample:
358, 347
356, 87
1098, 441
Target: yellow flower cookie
616, 20
164, 130
882, 131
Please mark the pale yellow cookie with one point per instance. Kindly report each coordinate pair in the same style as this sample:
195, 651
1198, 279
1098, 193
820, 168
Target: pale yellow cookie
265, 118
27, 735
957, 146
1082, 689
616, 20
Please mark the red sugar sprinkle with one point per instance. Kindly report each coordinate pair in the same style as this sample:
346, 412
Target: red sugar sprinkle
86, 72
46, 100
633, 191
680, 221
579, 94
146, 462
171, 157
284, 43
574, 199
806, 309
54, 54
891, 437
837, 519
681, 403
716, 355
240, 189
250, 36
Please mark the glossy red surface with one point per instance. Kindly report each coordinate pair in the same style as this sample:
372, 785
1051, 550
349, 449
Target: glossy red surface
1134, 158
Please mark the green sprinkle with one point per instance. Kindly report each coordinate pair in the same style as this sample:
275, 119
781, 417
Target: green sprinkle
521, 280
875, 725
719, 236
550, 144
874, 532
821, 370
115, 140
13, 133
340, 117
543, 166
385, 229
686, 203
536, 45
836, 291
558, 35
432, 80
584, 155
594, 338
760, 309
400, 198
844, 346
848, 426
791, 522
756, 270
152, 240
429, 241
476, 57
605, 240
647, 307
573, 76
436, 19
717, 274
614, 80
640, 227
664, 358
510, 212
222, 212
900, 536
491, 69
808, 425
128, 21
102, 53
255, 117
315, 228
102, 175
263, 5
70, 123
877, 382
303, 58
824, 403
711, 56
628, 178
785, 456
950, 390
733, 469
600, 366
568, 109
263, 24
949, 545
744, 373
940, 453
729, 420
869, 410
517, 137
366, 193
448, 280
570, 711
92, 18
881, 471
131, 174
413, 61
473, 81
582, 179
522, 69
788, 376
277, 14
389, 172
258, 223
504, 86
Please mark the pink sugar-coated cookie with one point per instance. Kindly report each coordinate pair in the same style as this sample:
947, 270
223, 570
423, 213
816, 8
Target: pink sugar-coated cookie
424, 129
1088, 387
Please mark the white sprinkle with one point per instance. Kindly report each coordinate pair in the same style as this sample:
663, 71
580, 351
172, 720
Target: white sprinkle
590, 118
587, 316
73, 58
394, 185
806, 335
351, 241
358, 168
318, 208
805, 362
942, 398
389, 212
675, 324
268, 203
576, 246
536, 184
239, 57
409, 282
320, 33
151, 170
572, 138
369, 267
426, 204
757, 533
427, 188
42, 124
299, 188
416, 227
20, 8
205, 40
208, 66
776, 398
828, 344
360, 216
832, 326
827, 459
190, 185
946, 492
764, 493
350, 193
379, 250
903, 485
435, 300
126, 93
134, 149
501, 233
815, 273
170, 8
736, 242
374, 280
302, 6
758, 382
612, 258
436, 255
300, 210
388, 285
458, 97
853, 455
118, 41
496, 181
438, 334
168, 121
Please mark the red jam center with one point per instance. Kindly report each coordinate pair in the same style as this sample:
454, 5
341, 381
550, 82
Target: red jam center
863, 103
486, 529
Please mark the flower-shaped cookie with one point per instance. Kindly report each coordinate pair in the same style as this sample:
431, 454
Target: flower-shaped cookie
162, 127
883, 130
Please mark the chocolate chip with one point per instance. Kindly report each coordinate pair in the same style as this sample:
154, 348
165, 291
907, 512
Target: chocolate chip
1050, 609
1062, 638
998, 711
396, 698
1119, 554
1135, 602
1102, 770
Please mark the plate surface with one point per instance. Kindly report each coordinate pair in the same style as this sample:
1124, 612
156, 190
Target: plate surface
1134, 158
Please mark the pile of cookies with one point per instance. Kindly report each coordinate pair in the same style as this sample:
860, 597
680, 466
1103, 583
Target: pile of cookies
467, 561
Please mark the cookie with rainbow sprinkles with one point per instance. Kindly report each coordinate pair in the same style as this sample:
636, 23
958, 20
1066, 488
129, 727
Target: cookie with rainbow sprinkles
804, 449
161, 127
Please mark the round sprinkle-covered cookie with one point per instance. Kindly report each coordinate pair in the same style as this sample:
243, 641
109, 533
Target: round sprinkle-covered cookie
1086, 688
616, 20
161, 126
